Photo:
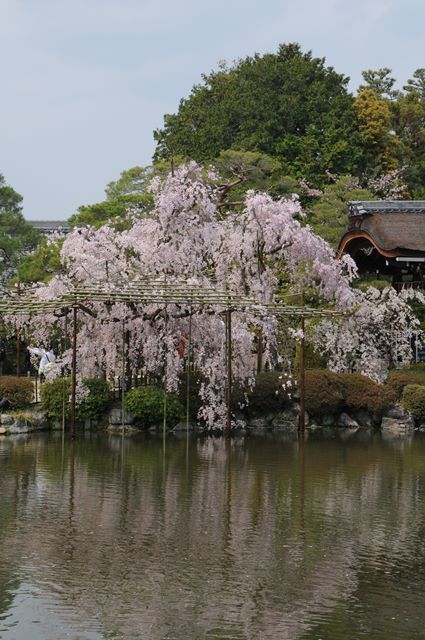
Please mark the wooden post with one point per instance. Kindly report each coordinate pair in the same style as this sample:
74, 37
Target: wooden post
189, 355
301, 426
18, 342
123, 377
229, 371
260, 351
164, 423
74, 372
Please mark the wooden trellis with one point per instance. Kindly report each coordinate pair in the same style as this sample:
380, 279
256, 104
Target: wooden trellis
154, 290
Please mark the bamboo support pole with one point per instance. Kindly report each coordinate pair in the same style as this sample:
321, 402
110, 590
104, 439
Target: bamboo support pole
301, 425
164, 423
18, 341
229, 371
123, 379
74, 373
189, 356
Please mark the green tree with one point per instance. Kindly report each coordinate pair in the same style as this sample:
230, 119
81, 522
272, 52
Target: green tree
380, 144
379, 81
409, 123
17, 237
287, 105
43, 263
417, 83
240, 171
329, 214
95, 215
129, 193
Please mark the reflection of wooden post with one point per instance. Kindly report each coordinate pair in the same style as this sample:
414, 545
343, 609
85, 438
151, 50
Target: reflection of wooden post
74, 372
229, 371
18, 343
123, 376
301, 426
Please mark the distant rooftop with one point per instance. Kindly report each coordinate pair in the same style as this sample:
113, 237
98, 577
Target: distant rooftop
370, 207
49, 226
393, 227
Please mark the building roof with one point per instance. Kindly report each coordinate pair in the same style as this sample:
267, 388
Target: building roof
48, 226
371, 207
394, 227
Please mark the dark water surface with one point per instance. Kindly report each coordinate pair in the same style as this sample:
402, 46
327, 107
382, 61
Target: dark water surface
261, 539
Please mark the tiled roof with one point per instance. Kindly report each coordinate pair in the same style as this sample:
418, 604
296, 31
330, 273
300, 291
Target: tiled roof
393, 225
371, 207
47, 226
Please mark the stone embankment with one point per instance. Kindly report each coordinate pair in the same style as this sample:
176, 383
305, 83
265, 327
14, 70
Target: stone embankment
395, 421
23, 422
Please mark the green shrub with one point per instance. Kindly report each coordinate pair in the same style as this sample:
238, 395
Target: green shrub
195, 402
413, 399
268, 395
97, 400
147, 404
54, 392
18, 390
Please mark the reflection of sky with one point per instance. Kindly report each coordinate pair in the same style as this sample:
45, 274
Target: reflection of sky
84, 84
33, 609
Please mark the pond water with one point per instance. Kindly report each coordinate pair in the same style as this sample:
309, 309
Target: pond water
123, 538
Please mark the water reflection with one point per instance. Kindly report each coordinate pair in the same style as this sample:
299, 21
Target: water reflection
120, 538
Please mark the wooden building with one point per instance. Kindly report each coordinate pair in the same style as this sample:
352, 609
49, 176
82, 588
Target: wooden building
386, 239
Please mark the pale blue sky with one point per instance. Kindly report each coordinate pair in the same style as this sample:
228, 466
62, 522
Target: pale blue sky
85, 82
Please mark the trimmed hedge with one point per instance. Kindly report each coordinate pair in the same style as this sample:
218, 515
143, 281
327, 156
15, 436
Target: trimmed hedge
329, 392
361, 392
323, 391
147, 405
400, 378
326, 392
413, 399
18, 390
92, 406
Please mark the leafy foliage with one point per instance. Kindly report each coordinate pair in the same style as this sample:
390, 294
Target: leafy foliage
147, 404
17, 237
328, 213
43, 263
269, 395
55, 396
379, 143
18, 390
413, 399
96, 400
328, 392
323, 392
288, 105
400, 378
380, 82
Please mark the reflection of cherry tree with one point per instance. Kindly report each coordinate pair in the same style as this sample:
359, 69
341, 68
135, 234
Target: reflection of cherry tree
188, 236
